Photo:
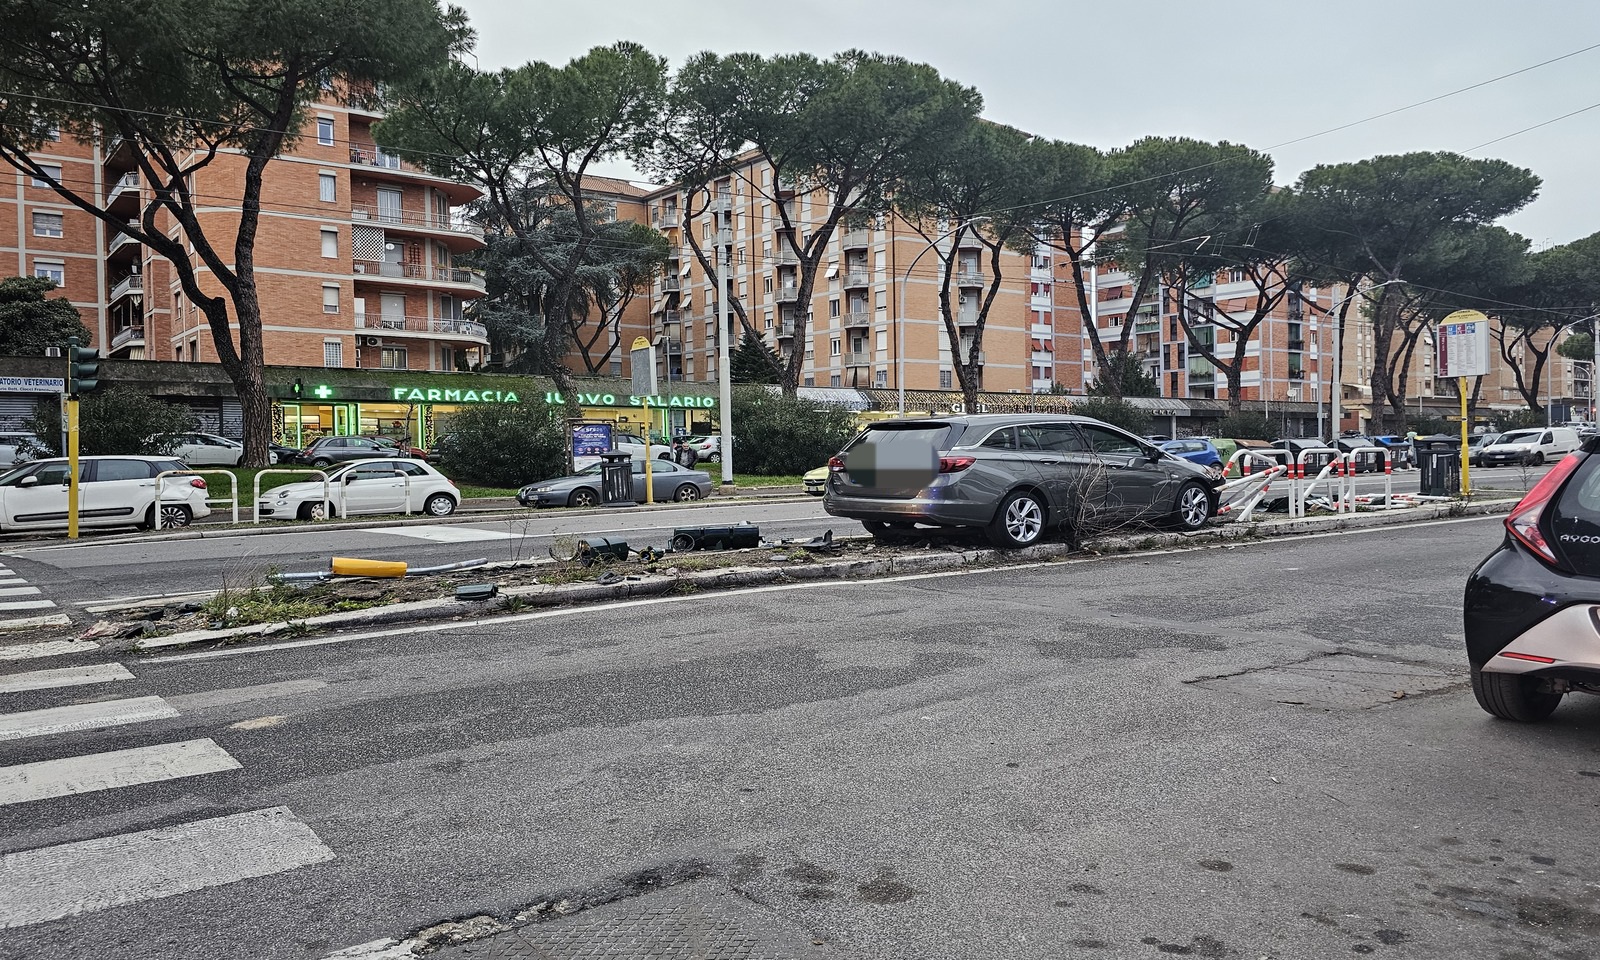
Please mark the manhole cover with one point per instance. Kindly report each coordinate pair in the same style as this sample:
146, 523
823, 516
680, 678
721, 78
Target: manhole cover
1340, 680
689, 922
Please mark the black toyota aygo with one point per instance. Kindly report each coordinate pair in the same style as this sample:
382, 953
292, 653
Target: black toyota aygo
1532, 607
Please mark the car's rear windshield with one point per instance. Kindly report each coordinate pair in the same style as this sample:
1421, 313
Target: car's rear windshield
935, 434
1575, 521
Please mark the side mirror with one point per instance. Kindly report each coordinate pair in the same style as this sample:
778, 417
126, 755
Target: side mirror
28, 482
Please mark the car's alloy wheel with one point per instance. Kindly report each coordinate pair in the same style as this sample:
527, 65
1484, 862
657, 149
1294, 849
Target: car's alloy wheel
1514, 696
174, 515
1194, 507
440, 505
321, 464
316, 510
714, 457
1019, 522
687, 492
583, 497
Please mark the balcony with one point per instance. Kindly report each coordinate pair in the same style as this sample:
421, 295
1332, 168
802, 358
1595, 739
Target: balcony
670, 316
670, 284
1297, 344
970, 278
1297, 374
857, 318
126, 188
123, 242
438, 326
1198, 377
417, 271
857, 239
130, 336
721, 203
787, 185
786, 257
374, 158
784, 330
858, 358
131, 284
667, 220
788, 293
724, 238
969, 241
368, 213
857, 278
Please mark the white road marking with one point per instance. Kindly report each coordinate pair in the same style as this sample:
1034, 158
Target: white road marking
108, 771
27, 604
64, 677
47, 648
11, 581
378, 950
20, 592
805, 585
82, 716
53, 883
442, 534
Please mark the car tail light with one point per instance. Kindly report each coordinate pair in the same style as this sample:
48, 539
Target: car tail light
197, 483
955, 464
835, 464
1525, 516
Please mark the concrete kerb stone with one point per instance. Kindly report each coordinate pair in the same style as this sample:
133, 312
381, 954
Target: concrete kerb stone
727, 578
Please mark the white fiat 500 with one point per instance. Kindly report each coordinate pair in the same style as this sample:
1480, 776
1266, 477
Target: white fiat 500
365, 487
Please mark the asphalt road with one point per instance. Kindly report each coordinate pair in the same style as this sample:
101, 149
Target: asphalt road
100, 569
1260, 750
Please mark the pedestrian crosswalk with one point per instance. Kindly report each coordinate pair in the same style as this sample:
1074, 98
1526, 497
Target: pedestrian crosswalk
22, 607
69, 879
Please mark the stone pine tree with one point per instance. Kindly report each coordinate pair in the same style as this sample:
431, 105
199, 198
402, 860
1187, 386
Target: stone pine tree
538, 129
754, 362
1387, 219
31, 319
186, 82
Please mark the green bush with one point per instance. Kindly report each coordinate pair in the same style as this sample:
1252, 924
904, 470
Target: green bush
504, 445
1118, 413
1245, 425
111, 422
776, 436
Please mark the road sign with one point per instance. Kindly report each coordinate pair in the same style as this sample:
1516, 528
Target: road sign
1463, 345
643, 361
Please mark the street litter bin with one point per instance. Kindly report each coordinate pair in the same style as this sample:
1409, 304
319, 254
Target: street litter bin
616, 479
1439, 458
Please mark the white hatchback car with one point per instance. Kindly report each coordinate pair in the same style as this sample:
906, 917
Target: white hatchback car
113, 492
365, 486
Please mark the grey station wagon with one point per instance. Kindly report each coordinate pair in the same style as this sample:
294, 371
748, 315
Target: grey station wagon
1015, 476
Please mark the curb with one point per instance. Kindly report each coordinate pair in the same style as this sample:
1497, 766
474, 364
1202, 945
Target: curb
465, 515
650, 585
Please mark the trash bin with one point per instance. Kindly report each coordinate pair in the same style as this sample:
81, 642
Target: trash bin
1439, 458
616, 479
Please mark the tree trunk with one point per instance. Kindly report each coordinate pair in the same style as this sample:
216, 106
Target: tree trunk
1382, 336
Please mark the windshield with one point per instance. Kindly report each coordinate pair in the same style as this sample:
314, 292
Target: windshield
1521, 436
10, 477
590, 471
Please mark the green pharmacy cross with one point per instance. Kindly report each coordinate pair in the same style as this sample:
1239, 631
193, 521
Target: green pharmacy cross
323, 392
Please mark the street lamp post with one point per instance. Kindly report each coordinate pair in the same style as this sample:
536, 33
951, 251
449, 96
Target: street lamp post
1338, 354
900, 313
1550, 372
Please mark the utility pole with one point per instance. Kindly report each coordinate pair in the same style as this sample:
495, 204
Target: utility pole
724, 373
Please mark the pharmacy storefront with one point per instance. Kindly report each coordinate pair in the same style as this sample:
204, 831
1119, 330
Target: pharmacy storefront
417, 413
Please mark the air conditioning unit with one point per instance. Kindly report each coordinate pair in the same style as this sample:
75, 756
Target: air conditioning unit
371, 341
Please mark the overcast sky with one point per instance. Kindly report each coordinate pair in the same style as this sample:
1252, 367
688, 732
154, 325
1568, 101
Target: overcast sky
1250, 71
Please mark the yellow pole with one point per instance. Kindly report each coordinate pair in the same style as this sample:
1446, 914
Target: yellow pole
72, 468
649, 460
1466, 466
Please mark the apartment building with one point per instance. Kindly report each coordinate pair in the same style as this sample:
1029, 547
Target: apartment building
356, 255
602, 346
874, 311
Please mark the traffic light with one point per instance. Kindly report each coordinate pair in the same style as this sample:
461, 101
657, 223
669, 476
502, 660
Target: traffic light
83, 368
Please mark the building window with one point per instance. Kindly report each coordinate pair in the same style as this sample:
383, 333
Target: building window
833, 308
944, 380
51, 170
325, 131
177, 353
393, 358
833, 347
880, 379
330, 298
834, 381
51, 270
333, 353
194, 349
766, 284
46, 224
330, 243
328, 187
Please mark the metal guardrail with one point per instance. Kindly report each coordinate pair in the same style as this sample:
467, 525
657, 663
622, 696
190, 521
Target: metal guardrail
233, 488
327, 497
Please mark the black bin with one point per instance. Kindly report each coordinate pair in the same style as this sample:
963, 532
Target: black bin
1439, 458
616, 479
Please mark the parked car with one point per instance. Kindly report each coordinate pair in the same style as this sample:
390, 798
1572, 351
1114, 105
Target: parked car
1530, 446
1532, 606
365, 487
200, 449
1014, 476
400, 448
1196, 450
327, 451
1475, 445
10, 442
668, 481
113, 491
281, 453
815, 482
706, 447
633, 443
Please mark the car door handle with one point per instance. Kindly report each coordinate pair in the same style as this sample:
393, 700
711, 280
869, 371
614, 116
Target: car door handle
1050, 461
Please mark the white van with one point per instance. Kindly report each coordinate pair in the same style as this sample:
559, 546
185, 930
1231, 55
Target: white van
1531, 446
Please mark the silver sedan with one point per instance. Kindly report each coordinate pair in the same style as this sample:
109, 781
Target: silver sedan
668, 480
